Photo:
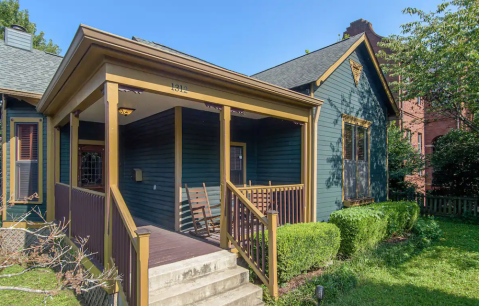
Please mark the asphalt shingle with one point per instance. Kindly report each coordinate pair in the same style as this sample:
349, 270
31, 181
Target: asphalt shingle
23, 70
307, 68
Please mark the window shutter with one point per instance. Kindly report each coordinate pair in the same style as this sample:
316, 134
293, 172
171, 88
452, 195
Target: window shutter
27, 141
27, 176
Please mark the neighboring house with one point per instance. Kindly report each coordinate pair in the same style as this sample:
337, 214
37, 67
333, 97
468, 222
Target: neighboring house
24, 75
110, 135
352, 124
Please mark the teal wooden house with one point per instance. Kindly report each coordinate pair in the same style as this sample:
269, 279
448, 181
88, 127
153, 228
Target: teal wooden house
108, 137
351, 140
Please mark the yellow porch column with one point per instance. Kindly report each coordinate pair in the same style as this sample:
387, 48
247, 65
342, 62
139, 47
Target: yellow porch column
50, 170
225, 135
305, 171
110, 99
74, 122
57, 154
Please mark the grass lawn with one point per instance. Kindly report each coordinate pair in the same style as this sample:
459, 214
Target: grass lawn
34, 280
443, 273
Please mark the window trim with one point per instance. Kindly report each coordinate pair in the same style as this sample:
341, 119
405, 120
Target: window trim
241, 144
348, 119
13, 157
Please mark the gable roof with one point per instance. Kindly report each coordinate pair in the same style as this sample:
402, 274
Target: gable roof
26, 72
317, 66
307, 68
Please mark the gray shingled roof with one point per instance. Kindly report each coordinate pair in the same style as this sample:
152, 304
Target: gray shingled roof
23, 70
307, 68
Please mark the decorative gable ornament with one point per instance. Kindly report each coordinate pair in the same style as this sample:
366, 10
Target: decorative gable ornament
356, 68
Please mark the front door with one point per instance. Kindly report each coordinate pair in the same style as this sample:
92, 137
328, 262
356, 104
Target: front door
91, 167
236, 165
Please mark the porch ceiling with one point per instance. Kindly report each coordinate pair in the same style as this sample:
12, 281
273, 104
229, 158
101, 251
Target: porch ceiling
145, 105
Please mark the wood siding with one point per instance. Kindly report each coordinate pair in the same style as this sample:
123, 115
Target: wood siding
366, 101
273, 152
16, 108
279, 152
149, 145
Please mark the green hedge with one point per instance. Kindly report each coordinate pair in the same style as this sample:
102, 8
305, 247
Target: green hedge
401, 215
364, 227
304, 246
360, 228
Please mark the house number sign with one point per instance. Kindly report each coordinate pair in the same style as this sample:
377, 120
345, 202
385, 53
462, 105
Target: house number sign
179, 88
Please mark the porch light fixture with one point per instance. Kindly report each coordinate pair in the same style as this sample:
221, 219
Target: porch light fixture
125, 111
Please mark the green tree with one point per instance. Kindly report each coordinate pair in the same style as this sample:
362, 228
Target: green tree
404, 160
10, 13
437, 58
455, 161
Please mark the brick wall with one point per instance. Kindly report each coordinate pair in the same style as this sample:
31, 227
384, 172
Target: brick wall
412, 114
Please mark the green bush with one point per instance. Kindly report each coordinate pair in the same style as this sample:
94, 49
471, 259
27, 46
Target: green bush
401, 215
303, 247
364, 227
361, 228
426, 230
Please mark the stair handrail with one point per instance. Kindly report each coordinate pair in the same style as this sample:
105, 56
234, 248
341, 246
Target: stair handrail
270, 222
139, 239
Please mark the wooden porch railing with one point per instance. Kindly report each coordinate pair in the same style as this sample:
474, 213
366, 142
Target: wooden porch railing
112, 234
62, 202
130, 251
246, 226
88, 220
287, 200
440, 205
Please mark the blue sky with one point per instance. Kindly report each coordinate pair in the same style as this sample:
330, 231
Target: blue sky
244, 36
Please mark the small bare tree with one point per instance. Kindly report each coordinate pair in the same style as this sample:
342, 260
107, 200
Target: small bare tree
50, 251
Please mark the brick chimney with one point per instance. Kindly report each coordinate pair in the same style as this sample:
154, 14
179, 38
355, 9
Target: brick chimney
360, 26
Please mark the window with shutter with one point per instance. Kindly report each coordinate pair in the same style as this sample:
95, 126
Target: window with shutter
26, 163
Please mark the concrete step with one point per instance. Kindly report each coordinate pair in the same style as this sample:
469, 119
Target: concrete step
175, 273
199, 288
245, 295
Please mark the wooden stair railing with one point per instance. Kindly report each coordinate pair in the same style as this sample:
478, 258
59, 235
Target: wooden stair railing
287, 200
130, 251
88, 220
246, 227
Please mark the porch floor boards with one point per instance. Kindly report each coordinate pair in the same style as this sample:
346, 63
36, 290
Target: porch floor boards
167, 246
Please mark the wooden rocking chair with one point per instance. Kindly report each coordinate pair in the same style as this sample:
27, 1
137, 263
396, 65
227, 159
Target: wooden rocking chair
201, 212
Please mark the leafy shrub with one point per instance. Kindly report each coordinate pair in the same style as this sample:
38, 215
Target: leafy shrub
364, 227
401, 215
426, 230
361, 228
304, 246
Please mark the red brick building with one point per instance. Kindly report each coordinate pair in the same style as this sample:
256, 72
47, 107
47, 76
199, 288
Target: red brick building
413, 115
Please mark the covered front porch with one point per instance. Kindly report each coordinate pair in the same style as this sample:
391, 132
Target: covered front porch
249, 142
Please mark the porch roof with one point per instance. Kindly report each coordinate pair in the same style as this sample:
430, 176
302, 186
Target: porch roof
102, 45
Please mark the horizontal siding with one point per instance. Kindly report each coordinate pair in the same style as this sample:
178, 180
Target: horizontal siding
366, 101
201, 157
149, 145
279, 152
17, 108
65, 154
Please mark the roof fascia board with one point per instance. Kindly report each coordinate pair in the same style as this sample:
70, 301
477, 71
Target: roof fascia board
21, 94
381, 76
87, 36
334, 66
353, 47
